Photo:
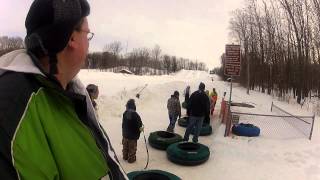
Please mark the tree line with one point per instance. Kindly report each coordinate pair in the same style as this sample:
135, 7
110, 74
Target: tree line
8, 44
280, 46
139, 61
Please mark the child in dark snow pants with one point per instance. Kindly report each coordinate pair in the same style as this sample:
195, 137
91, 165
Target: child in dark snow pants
129, 149
131, 128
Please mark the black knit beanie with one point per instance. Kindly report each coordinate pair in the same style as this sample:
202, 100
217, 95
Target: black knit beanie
176, 93
91, 88
131, 104
202, 86
49, 25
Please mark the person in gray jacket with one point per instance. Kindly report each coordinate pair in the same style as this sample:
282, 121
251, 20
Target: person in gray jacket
174, 110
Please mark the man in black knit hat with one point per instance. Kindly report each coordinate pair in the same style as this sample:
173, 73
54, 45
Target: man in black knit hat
48, 129
198, 107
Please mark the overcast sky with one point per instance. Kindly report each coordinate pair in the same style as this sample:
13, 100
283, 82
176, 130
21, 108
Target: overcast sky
195, 29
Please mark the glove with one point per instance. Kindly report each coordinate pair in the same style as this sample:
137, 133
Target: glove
141, 128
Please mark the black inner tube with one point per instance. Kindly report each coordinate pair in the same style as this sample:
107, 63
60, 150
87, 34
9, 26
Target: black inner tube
165, 134
242, 105
189, 146
151, 176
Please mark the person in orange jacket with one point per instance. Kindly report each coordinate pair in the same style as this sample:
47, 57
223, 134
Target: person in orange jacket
213, 99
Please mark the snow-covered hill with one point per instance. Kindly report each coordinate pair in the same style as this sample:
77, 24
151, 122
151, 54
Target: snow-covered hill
232, 158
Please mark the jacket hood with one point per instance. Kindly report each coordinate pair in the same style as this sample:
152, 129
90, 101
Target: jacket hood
131, 105
18, 61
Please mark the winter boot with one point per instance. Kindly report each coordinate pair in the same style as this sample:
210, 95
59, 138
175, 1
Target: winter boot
170, 129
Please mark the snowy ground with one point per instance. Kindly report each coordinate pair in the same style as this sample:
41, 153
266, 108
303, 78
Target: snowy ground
232, 158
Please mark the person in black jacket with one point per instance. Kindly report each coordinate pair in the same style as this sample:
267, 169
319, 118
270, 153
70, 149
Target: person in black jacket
198, 107
93, 92
131, 128
187, 94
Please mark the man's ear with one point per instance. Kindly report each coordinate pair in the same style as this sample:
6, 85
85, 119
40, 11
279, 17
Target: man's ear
72, 41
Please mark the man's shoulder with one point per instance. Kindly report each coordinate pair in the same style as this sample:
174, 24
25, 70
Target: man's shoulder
171, 99
16, 89
136, 113
16, 82
15, 92
131, 112
196, 93
200, 94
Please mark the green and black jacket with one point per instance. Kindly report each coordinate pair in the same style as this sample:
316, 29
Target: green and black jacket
47, 132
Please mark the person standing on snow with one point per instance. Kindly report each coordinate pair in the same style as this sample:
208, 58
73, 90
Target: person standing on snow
187, 94
206, 119
174, 110
198, 108
47, 128
213, 99
93, 92
131, 128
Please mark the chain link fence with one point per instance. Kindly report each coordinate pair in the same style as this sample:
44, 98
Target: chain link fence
280, 125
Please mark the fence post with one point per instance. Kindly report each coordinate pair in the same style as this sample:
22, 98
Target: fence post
271, 105
314, 115
228, 120
222, 110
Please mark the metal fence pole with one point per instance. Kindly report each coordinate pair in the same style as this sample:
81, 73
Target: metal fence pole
228, 122
230, 91
314, 115
226, 115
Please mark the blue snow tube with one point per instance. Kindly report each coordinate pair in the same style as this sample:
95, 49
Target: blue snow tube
248, 130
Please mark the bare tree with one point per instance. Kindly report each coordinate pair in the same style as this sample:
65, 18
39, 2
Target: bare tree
155, 54
140, 60
167, 63
114, 47
8, 44
280, 42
